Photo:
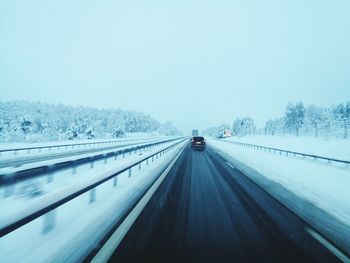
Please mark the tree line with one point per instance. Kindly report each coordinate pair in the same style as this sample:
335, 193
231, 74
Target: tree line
26, 121
296, 117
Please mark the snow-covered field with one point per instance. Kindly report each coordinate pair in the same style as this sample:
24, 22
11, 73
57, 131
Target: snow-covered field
333, 147
79, 224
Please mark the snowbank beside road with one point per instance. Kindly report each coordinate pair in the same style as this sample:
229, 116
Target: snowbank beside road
326, 187
334, 148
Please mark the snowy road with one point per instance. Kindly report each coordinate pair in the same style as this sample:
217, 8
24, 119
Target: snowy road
207, 211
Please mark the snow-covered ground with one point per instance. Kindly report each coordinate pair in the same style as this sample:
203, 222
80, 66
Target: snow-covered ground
9, 159
134, 137
326, 186
333, 147
79, 224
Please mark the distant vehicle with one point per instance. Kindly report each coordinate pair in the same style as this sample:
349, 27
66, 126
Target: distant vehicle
227, 133
224, 134
198, 142
195, 133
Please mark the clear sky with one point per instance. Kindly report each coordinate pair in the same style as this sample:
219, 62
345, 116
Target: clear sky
195, 63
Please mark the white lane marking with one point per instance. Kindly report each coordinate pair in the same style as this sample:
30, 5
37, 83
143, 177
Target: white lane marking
229, 164
328, 245
113, 242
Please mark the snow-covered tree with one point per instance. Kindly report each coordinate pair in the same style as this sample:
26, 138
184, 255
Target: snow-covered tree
72, 133
243, 127
26, 124
341, 112
294, 116
168, 129
314, 114
90, 134
118, 132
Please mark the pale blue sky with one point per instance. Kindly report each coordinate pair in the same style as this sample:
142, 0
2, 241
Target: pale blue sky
195, 63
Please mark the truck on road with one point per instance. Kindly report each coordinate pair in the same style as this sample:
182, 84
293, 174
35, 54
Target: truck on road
195, 133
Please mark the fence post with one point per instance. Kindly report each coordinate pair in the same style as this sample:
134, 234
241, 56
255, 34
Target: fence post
316, 130
130, 172
50, 177
345, 130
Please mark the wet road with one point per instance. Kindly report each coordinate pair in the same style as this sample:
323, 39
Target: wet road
207, 211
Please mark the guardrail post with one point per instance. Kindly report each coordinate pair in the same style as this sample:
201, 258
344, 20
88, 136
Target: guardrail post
123, 154
115, 156
74, 169
9, 188
130, 172
152, 158
106, 158
92, 195
28, 151
139, 166
49, 221
50, 177
115, 181
147, 161
91, 164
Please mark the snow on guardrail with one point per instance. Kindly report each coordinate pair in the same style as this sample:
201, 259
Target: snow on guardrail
287, 152
47, 206
10, 176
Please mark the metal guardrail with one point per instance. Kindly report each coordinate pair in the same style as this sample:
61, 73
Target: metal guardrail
7, 179
48, 210
280, 151
72, 145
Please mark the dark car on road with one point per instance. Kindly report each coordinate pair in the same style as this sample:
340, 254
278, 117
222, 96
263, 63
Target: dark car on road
198, 142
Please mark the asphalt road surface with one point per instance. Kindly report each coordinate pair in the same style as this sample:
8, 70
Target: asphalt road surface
207, 211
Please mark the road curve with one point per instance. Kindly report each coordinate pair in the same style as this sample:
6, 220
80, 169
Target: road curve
207, 211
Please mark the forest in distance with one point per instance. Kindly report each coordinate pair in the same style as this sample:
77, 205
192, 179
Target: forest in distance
297, 120
22, 121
